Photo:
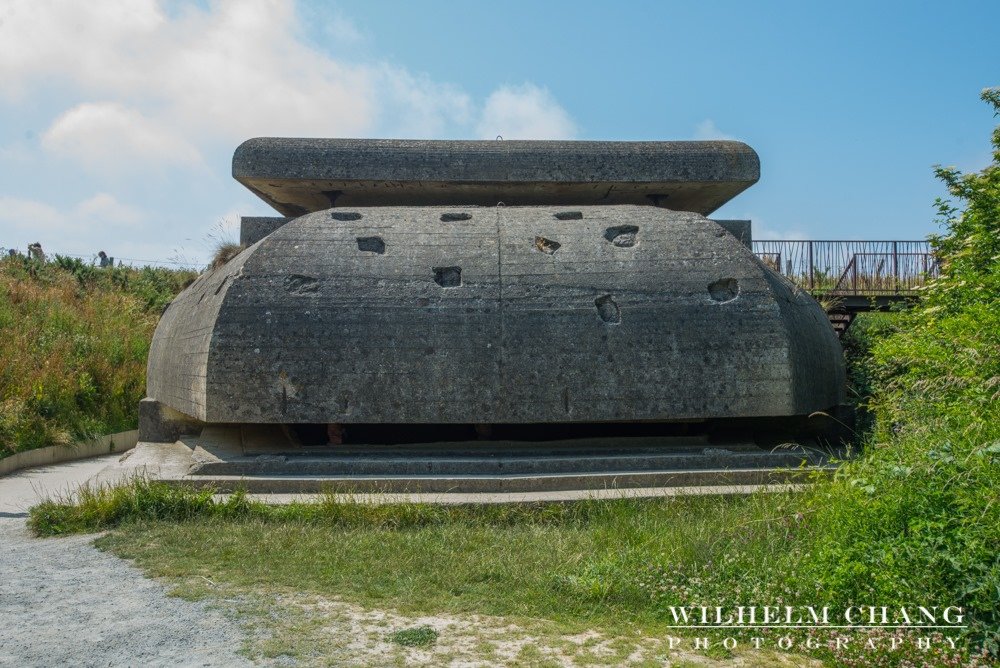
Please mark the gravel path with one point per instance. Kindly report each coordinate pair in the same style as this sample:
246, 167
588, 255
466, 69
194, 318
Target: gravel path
63, 602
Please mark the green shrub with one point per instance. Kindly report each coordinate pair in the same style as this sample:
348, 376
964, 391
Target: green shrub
917, 519
73, 346
858, 342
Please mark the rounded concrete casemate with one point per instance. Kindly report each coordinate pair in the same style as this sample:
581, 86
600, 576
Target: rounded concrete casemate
493, 282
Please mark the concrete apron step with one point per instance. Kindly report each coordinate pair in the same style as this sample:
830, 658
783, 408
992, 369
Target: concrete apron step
375, 484
463, 466
446, 498
218, 459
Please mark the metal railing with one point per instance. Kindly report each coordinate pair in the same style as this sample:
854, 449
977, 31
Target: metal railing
851, 267
839, 267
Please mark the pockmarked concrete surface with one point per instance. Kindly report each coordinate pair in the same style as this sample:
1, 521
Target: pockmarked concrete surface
502, 315
63, 602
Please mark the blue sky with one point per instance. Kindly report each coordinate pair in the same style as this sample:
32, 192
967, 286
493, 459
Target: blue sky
118, 120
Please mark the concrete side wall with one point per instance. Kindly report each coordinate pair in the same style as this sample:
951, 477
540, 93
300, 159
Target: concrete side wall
159, 423
255, 228
816, 360
741, 229
535, 314
104, 445
178, 355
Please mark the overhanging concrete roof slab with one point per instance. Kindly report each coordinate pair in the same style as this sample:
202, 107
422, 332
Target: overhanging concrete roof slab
299, 176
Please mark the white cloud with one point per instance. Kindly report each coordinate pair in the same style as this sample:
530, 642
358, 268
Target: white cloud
102, 211
74, 41
103, 207
147, 95
524, 112
707, 130
28, 214
415, 107
229, 72
108, 134
766, 232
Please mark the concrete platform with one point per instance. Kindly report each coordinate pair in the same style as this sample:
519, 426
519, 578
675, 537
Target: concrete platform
457, 498
217, 460
299, 176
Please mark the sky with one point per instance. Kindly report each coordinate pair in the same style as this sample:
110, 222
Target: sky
118, 120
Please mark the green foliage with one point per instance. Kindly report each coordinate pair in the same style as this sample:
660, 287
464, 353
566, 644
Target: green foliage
917, 519
866, 330
73, 346
970, 248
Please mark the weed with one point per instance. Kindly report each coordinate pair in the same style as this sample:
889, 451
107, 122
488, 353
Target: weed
418, 636
224, 253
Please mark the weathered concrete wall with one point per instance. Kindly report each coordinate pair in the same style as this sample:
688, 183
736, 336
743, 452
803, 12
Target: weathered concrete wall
159, 423
298, 176
55, 454
499, 314
176, 371
255, 228
741, 229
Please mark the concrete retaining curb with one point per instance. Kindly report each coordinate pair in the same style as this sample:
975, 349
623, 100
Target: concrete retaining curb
55, 454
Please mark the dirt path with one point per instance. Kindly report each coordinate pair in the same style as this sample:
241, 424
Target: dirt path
63, 602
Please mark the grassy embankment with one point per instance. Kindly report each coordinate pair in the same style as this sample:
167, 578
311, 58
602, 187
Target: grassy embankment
73, 346
914, 521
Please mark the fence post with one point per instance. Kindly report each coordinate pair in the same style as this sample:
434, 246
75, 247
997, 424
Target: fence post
811, 272
895, 266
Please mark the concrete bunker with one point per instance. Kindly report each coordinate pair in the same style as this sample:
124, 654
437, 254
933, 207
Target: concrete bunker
411, 308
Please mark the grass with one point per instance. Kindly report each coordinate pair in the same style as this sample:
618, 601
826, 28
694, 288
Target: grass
609, 567
224, 252
551, 569
73, 346
418, 636
589, 561
597, 561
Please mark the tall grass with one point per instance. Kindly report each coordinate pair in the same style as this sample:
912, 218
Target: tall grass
73, 346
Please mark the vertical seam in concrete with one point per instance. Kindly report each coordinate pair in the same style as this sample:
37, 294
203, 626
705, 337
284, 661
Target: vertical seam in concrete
500, 343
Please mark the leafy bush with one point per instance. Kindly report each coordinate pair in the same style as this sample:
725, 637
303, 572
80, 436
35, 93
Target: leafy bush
866, 331
73, 346
917, 519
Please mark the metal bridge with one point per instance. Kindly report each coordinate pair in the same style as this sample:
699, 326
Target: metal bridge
852, 276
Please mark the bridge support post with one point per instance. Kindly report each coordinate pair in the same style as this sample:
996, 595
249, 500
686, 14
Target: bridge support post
812, 270
895, 266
